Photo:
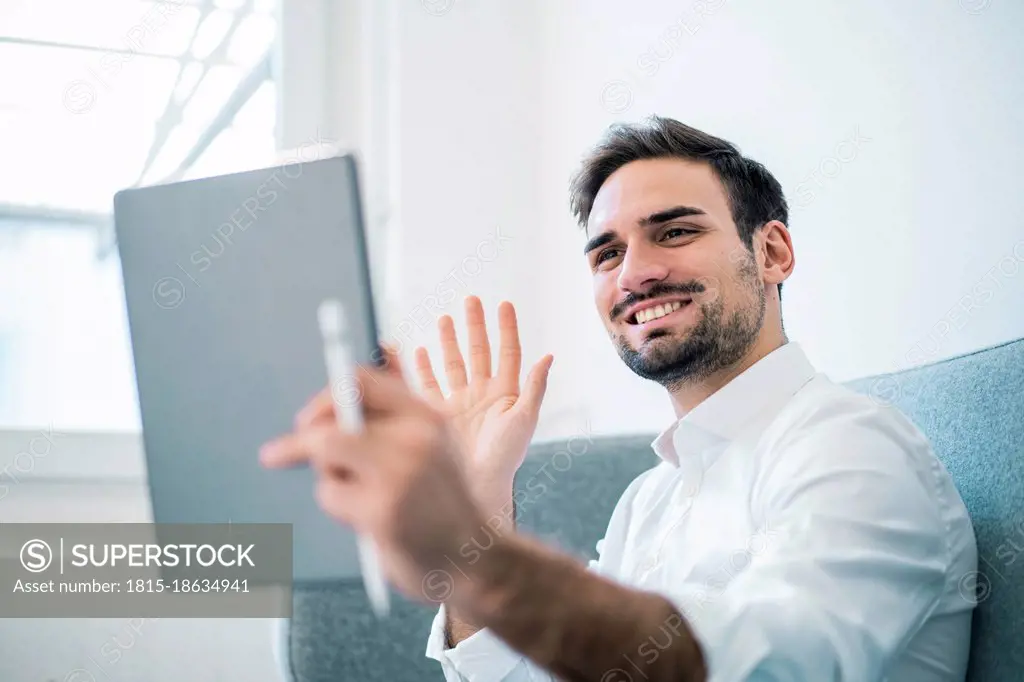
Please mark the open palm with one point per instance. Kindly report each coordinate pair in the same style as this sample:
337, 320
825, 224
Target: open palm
491, 417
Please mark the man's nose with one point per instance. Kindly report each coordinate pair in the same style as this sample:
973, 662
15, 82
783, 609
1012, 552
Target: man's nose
641, 267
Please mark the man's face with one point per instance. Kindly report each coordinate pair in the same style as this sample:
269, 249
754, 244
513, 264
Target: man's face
679, 293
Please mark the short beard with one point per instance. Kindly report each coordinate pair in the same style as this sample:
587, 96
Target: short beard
715, 343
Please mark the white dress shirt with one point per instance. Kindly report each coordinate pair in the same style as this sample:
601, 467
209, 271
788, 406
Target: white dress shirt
805, 531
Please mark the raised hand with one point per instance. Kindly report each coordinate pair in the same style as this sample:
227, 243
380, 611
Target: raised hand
493, 419
429, 472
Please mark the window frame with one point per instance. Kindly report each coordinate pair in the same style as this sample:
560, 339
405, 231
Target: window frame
336, 83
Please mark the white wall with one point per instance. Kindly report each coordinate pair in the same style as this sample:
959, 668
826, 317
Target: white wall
469, 153
919, 99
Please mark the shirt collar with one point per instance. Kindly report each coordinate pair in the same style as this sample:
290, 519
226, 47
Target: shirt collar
768, 383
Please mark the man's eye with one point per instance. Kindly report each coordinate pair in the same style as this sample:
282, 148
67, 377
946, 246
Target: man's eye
605, 255
674, 232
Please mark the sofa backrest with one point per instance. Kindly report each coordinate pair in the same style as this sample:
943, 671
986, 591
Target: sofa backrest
971, 407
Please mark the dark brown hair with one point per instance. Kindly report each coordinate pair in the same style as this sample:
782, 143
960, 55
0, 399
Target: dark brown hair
755, 196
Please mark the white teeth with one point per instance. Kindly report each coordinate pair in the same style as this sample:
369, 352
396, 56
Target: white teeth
657, 311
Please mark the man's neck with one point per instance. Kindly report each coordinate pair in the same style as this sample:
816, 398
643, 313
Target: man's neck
693, 393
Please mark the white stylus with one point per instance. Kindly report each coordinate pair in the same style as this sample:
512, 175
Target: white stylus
348, 412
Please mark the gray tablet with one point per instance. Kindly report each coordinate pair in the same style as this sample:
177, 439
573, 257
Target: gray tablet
222, 279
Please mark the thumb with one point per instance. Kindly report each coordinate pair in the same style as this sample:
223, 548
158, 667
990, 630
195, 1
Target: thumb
536, 385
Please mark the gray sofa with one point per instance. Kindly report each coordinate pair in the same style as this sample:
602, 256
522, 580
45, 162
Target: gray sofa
971, 407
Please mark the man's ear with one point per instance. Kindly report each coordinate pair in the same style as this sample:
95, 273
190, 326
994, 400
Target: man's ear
776, 249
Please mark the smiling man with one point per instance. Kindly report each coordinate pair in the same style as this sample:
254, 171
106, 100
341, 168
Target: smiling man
793, 530
716, 295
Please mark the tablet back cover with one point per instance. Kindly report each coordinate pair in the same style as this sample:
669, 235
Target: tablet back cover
222, 278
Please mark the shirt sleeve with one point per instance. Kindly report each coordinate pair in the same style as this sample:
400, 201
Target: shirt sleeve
483, 656
850, 562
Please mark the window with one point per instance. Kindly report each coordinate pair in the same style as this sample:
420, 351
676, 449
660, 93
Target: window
95, 97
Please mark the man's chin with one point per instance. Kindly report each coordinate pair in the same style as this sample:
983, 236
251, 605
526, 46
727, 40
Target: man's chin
666, 356
657, 338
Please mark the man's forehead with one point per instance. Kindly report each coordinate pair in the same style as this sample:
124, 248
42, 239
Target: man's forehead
641, 188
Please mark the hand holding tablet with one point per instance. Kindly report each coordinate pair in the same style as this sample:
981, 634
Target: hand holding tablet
420, 477
348, 413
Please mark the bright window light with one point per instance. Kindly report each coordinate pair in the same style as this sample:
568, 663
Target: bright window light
251, 39
163, 28
108, 94
190, 76
211, 33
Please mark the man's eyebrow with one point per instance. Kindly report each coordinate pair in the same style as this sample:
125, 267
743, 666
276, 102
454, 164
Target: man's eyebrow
650, 221
670, 214
598, 241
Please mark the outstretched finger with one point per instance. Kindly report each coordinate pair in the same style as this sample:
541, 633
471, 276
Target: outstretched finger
320, 407
479, 344
428, 380
454, 365
510, 353
322, 447
536, 386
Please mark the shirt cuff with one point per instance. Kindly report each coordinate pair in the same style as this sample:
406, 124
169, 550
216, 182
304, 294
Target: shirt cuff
482, 656
280, 647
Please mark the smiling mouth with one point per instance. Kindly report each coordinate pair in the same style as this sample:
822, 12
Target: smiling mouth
656, 312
